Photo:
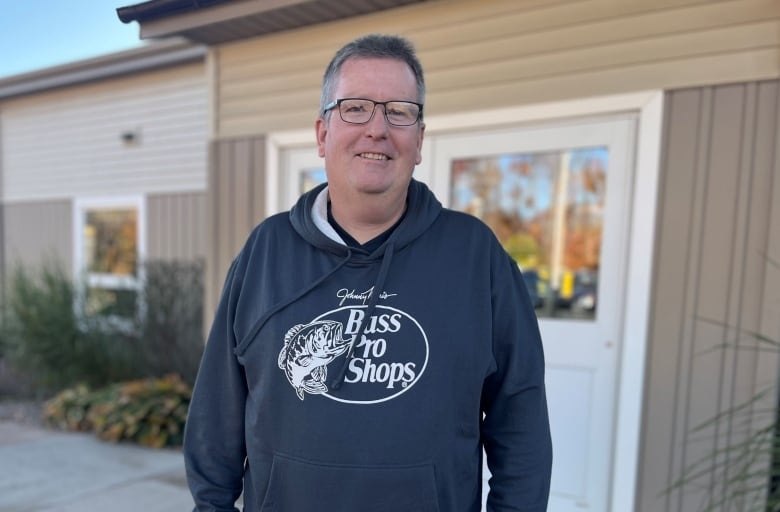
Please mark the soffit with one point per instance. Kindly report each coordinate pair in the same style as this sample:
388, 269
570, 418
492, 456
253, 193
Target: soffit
220, 21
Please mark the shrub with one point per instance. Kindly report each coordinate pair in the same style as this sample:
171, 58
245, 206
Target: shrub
68, 409
170, 331
150, 412
43, 336
61, 346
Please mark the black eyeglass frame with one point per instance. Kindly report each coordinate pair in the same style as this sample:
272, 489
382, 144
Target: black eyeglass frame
337, 103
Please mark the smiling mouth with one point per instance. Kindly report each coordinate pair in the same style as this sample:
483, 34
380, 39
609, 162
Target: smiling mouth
374, 156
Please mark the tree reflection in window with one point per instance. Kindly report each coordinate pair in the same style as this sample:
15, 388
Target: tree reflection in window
546, 209
110, 243
110, 239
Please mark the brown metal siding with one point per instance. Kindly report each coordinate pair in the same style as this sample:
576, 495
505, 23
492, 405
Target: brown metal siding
176, 226
176, 229
38, 230
236, 203
719, 182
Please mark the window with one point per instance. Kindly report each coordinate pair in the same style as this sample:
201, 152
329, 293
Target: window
108, 251
546, 209
310, 178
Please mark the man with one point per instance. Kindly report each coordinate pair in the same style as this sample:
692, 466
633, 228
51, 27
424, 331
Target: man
369, 344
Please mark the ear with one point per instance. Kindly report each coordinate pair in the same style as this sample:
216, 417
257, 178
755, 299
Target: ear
321, 128
419, 144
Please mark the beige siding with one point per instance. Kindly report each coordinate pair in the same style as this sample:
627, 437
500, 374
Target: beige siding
176, 226
37, 231
715, 284
490, 54
68, 142
236, 203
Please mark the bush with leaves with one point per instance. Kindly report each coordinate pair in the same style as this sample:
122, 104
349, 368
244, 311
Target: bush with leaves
170, 330
68, 409
46, 336
150, 412
43, 336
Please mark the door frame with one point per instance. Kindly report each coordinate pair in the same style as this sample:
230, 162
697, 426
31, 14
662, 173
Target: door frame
648, 105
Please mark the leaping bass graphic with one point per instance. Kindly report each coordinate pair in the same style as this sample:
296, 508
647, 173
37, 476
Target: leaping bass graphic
308, 348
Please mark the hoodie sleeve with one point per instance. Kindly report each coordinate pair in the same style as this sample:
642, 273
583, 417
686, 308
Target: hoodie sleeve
515, 428
214, 447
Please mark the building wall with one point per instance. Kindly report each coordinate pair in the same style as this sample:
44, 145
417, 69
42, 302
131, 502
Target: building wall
720, 191
489, 54
37, 230
176, 226
236, 203
68, 142
716, 285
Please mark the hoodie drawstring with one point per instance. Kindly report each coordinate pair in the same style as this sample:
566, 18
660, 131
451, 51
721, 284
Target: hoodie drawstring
241, 347
376, 291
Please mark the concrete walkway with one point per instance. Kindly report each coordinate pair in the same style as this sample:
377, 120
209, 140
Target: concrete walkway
49, 471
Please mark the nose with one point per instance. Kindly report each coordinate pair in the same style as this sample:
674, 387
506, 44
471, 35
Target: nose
377, 125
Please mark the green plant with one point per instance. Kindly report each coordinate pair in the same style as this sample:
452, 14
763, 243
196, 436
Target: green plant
743, 473
43, 336
150, 412
170, 331
68, 409
47, 336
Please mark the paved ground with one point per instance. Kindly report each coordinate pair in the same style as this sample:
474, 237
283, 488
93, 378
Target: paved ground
44, 470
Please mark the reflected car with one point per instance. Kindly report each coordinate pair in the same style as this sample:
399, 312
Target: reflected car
533, 282
585, 289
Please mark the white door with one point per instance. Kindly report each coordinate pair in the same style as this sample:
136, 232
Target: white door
557, 196
301, 170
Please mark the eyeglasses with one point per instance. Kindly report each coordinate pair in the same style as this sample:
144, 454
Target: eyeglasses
360, 111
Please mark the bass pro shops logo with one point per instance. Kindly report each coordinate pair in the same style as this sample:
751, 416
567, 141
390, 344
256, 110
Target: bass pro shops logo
387, 360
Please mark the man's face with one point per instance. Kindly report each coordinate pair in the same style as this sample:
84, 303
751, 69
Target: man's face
376, 157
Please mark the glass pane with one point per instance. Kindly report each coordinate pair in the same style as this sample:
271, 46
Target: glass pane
310, 178
111, 302
110, 241
547, 211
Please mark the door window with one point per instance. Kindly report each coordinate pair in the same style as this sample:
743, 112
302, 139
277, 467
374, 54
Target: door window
546, 208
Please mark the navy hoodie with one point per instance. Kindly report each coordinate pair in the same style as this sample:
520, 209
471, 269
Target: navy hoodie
338, 380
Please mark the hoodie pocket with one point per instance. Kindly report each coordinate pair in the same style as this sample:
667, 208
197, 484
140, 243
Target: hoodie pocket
296, 486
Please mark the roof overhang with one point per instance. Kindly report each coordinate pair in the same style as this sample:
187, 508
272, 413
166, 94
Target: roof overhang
149, 57
220, 21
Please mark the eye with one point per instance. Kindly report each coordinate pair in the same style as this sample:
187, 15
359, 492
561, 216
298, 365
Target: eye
353, 107
397, 112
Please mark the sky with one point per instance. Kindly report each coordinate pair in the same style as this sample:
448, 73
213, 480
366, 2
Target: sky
36, 34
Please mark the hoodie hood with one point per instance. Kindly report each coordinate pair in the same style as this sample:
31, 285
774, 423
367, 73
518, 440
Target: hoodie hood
309, 219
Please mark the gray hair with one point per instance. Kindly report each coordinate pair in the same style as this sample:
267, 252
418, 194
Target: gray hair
372, 46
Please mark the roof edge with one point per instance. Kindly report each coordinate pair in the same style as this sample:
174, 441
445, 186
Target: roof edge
150, 56
165, 18
154, 9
